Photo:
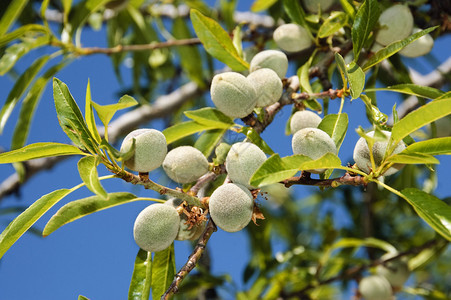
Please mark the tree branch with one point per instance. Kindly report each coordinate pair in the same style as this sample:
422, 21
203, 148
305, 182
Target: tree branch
305, 179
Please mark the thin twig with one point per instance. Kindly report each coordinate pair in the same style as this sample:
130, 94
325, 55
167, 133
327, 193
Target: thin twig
192, 260
305, 179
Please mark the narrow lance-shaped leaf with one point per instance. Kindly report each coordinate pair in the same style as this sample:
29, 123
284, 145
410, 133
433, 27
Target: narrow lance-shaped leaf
184, 129
163, 271
26, 219
257, 139
327, 161
342, 68
70, 117
431, 209
412, 158
87, 168
418, 118
216, 41
142, 277
438, 146
19, 88
411, 89
394, 48
29, 106
26, 29
296, 13
336, 125
39, 150
89, 115
77, 209
260, 5
210, 117
356, 78
207, 142
332, 24
13, 11
364, 22
106, 112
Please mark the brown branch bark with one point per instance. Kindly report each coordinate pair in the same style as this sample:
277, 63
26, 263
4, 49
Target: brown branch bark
305, 179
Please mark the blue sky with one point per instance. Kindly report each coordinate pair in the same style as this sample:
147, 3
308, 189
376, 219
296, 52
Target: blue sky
94, 256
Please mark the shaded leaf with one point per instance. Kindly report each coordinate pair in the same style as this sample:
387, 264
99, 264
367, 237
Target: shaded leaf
207, 142
255, 138
418, 118
336, 126
26, 29
87, 168
142, 276
19, 88
26, 219
70, 117
163, 271
13, 11
356, 78
77, 209
296, 14
209, 116
116, 154
411, 89
431, 209
216, 41
39, 150
332, 24
364, 22
394, 48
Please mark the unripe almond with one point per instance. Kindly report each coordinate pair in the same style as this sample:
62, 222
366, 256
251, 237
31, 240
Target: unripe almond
292, 37
273, 59
231, 207
314, 143
395, 271
233, 94
315, 6
268, 86
185, 164
420, 47
375, 288
150, 149
362, 154
184, 232
156, 227
304, 119
242, 161
396, 23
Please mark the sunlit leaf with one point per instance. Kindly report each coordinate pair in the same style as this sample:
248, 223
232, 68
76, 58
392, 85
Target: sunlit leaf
26, 29
412, 158
184, 129
89, 115
260, 5
142, 277
336, 126
39, 150
106, 112
332, 24
431, 209
255, 138
77, 209
356, 78
87, 168
216, 41
327, 161
209, 116
438, 146
26, 219
411, 89
163, 271
13, 11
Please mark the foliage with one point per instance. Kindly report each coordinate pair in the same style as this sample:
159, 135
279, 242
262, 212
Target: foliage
175, 56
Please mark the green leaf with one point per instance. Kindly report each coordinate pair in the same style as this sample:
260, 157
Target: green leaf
411, 89
438, 146
71, 119
80, 13
207, 142
89, 115
29, 106
163, 271
14, 52
348, 8
26, 29
81, 297
13, 11
210, 117
19, 88
426, 114
356, 78
39, 150
375, 116
394, 48
332, 24
116, 154
216, 41
327, 161
87, 168
296, 14
77, 209
142, 277
431, 209
275, 169
184, 129
106, 112
260, 5
412, 158
368, 242
342, 68
336, 126
190, 59
26, 219
257, 140
364, 22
